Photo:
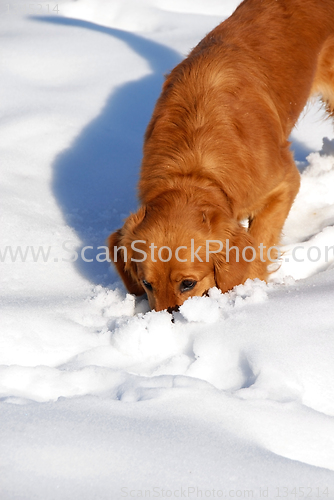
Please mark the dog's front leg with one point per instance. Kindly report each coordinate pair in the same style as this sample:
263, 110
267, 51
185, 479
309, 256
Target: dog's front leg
266, 224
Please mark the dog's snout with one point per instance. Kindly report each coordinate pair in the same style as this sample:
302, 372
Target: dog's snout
172, 309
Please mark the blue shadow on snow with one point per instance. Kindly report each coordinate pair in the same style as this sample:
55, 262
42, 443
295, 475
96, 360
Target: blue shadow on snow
95, 178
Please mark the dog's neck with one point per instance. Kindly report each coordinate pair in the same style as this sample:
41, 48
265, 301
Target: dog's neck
190, 190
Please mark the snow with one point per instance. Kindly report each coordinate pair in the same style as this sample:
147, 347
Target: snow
100, 397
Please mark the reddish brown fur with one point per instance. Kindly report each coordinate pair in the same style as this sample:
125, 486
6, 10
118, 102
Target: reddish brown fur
216, 150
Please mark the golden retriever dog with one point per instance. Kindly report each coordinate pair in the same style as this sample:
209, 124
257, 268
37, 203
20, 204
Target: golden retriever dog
216, 152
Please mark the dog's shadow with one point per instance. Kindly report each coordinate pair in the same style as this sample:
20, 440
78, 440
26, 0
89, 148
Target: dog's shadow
95, 179
300, 153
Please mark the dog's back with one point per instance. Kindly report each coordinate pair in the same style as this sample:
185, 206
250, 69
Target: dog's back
284, 39
263, 60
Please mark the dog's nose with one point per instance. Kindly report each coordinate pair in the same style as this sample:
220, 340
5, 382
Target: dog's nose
172, 309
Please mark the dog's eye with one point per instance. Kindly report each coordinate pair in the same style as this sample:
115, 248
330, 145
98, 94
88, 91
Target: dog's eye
147, 285
187, 285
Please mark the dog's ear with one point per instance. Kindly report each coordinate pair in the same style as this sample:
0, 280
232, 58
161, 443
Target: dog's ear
120, 252
231, 266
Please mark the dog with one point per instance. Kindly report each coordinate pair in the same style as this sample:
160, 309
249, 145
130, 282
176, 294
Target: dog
216, 152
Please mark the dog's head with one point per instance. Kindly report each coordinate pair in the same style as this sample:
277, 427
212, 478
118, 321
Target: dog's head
175, 248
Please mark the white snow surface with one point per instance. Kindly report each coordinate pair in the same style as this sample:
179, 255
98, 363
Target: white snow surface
100, 398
